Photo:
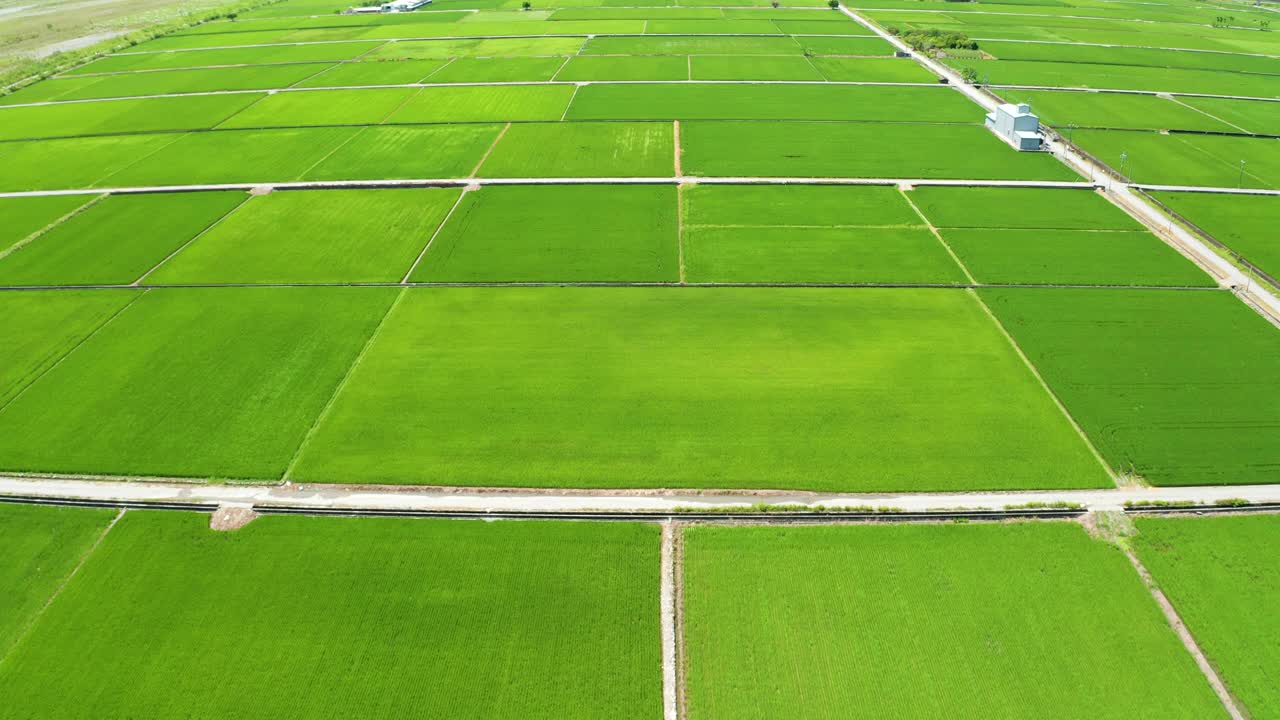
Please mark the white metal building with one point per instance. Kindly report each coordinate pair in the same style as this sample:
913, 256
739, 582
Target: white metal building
403, 5
1016, 125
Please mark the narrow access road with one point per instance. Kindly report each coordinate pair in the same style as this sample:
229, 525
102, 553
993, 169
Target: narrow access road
331, 497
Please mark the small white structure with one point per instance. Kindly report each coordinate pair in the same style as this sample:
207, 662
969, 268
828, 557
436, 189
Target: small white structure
1016, 125
403, 5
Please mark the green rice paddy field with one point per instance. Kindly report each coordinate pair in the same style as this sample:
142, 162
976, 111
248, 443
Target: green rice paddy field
672, 324
1220, 576
336, 616
993, 621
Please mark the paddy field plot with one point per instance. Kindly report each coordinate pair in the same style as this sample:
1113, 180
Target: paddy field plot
25, 216
392, 72
500, 69
1002, 256
188, 81
1245, 223
1253, 116
498, 103
1122, 77
565, 233
1140, 56
771, 102
583, 149
696, 45
1028, 208
390, 152
925, 621
116, 241
809, 234
874, 150
336, 236
72, 162
1186, 158
42, 546
1177, 387
819, 389
478, 47
40, 327
196, 382
752, 67
657, 67
1220, 574
869, 69
197, 112
323, 107
231, 156
264, 55
376, 618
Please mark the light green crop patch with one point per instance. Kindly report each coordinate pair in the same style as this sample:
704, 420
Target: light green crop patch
1220, 574
336, 236
584, 233
802, 388
233, 156
408, 152
498, 103
213, 383
655, 67
323, 107
817, 255
993, 621
1245, 223
1144, 374
42, 546
116, 241
401, 72
197, 112
24, 216
41, 326
1028, 208
857, 150
751, 67
515, 621
770, 102
583, 149
1072, 257
503, 69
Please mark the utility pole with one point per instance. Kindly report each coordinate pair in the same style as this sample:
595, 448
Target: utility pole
1240, 180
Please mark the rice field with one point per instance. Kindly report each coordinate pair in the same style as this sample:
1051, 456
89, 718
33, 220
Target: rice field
470, 619
919, 621
1244, 223
1219, 574
594, 251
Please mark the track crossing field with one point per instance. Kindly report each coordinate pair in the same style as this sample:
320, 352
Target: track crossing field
620, 247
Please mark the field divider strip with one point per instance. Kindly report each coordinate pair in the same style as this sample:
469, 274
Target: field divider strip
317, 73
1184, 634
432, 239
70, 351
31, 624
227, 119
1013, 343
668, 606
680, 232
197, 236
58, 221
337, 390
675, 138
431, 74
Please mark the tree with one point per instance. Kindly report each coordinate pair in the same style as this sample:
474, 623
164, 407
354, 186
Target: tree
833, 4
969, 75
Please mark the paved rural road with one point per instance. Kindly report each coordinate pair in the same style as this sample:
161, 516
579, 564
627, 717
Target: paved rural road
349, 497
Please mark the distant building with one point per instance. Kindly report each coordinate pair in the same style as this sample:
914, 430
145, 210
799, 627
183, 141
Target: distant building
394, 6
403, 5
1016, 125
